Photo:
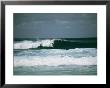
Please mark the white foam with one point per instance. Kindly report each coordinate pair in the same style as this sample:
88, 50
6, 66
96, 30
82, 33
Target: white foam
33, 44
53, 61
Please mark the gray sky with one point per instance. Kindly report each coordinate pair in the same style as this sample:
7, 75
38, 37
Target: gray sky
55, 25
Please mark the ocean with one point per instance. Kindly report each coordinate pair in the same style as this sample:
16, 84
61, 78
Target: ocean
65, 56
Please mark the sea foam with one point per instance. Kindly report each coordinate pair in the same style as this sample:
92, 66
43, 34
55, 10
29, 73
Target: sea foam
56, 57
54, 61
33, 44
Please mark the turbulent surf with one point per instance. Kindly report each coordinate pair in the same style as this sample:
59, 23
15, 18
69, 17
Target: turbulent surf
55, 43
55, 56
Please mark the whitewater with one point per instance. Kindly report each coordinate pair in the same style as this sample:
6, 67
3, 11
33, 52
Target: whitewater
26, 44
78, 61
55, 43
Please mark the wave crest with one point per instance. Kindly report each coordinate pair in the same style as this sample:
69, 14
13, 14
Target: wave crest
33, 44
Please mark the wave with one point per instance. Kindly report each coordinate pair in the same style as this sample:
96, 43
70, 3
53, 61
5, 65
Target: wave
55, 57
55, 44
33, 44
54, 61
77, 52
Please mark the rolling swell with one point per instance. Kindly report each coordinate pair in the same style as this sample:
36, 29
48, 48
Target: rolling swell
59, 44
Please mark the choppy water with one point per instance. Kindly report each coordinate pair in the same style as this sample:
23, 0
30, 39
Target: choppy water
78, 61
56, 70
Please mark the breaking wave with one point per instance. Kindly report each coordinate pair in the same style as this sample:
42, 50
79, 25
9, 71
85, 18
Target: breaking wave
56, 57
33, 44
55, 44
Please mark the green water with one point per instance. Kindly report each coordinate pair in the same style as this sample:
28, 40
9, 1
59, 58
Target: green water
56, 70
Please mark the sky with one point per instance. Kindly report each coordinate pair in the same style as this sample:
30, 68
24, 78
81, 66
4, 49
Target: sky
55, 25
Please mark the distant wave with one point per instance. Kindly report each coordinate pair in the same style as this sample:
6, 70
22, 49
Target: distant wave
55, 44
